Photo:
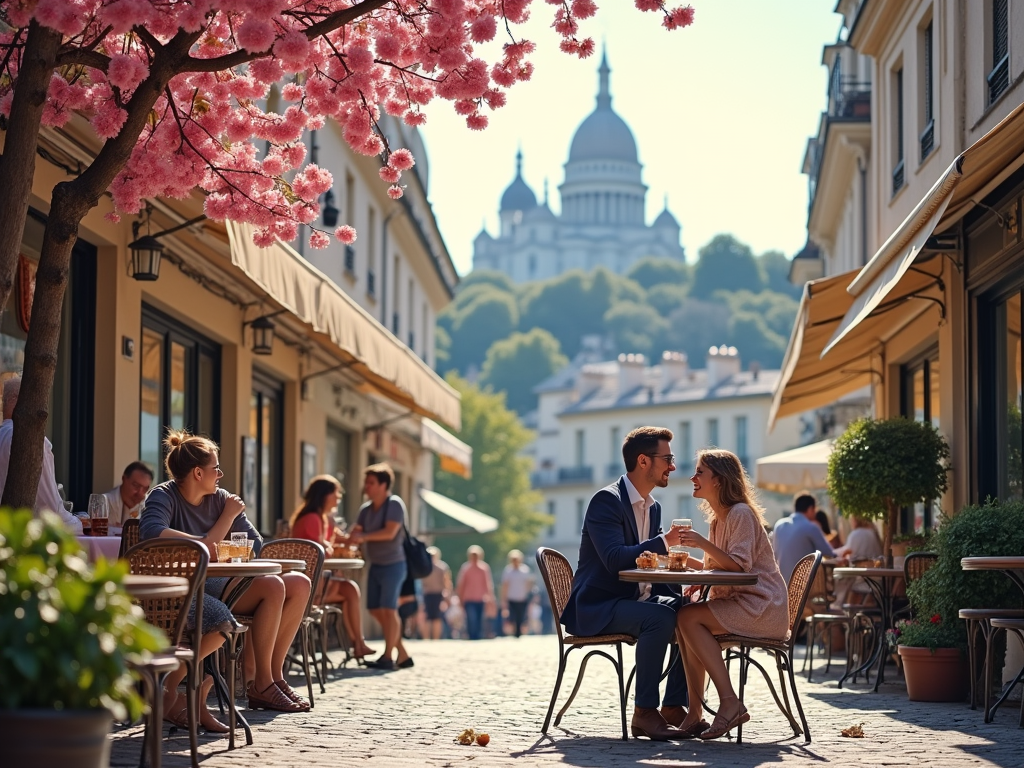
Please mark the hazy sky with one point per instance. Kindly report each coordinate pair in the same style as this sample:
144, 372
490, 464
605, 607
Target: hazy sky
721, 112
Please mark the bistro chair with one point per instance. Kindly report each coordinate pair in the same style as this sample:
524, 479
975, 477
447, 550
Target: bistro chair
915, 566
129, 536
189, 559
983, 621
558, 576
739, 647
313, 554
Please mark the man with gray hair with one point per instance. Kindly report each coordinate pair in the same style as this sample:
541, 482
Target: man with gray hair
47, 497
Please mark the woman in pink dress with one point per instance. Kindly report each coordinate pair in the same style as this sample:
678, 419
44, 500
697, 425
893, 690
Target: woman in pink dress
737, 542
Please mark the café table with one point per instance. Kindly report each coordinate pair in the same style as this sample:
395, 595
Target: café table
287, 565
140, 586
1013, 568
100, 546
882, 583
241, 575
343, 563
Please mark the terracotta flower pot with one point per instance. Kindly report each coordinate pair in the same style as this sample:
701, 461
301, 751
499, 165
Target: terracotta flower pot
45, 738
939, 675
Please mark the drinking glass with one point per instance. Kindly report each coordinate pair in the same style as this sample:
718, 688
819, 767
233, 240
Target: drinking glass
98, 514
687, 525
223, 551
238, 550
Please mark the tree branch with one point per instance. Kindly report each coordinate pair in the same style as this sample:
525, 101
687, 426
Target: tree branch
331, 23
83, 57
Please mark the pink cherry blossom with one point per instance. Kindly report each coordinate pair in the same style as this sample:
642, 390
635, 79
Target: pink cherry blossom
401, 159
679, 17
389, 174
395, 192
345, 234
649, 5
319, 240
126, 71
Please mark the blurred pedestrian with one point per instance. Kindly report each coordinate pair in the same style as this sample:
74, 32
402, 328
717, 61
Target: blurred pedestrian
475, 589
516, 588
437, 589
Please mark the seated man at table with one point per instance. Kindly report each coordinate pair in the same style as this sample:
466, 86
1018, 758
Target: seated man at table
125, 501
622, 521
47, 496
798, 535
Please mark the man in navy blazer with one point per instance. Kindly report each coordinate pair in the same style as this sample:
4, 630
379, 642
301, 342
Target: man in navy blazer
622, 521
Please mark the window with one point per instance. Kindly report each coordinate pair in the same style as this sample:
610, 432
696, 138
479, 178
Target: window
581, 512
927, 92
265, 429
337, 456
580, 447
897, 139
741, 438
552, 508
712, 440
999, 77
919, 400
615, 447
371, 253
180, 385
412, 299
350, 200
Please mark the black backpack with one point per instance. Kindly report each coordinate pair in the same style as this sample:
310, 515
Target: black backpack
417, 560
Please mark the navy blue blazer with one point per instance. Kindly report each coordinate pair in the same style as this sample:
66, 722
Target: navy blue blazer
610, 543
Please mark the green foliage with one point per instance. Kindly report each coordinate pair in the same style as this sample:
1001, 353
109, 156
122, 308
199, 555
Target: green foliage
652, 272
981, 530
500, 485
726, 264
695, 327
775, 267
881, 462
519, 363
666, 298
934, 632
635, 327
442, 349
489, 316
489, 277
759, 342
66, 628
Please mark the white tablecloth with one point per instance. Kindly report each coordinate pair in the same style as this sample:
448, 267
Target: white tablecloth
100, 546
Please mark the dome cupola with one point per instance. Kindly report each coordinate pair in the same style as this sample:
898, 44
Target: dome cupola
603, 135
518, 196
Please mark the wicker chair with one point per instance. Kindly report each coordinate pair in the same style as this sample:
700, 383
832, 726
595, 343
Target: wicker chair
1007, 625
313, 554
558, 576
981, 620
739, 647
189, 559
129, 536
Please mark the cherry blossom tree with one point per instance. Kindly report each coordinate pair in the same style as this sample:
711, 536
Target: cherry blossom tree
174, 91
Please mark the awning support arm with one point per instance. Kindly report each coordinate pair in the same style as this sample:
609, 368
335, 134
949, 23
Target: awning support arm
371, 427
304, 381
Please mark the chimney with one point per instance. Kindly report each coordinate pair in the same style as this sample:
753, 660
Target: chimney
723, 362
631, 373
589, 380
755, 369
673, 368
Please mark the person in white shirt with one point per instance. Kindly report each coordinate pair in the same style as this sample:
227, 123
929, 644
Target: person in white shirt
125, 501
47, 497
516, 588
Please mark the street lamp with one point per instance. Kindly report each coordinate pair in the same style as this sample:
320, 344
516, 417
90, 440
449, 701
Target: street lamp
262, 336
145, 254
329, 212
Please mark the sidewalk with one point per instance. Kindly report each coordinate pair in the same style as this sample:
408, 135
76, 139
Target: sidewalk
411, 718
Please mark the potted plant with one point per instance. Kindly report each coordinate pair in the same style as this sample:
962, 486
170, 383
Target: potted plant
67, 633
880, 465
933, 655
905, 543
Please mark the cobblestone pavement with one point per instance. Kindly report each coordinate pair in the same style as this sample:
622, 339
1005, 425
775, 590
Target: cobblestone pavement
411, 717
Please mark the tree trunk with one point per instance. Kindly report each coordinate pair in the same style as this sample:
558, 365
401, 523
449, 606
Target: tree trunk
31, 412
891, 517
18, 162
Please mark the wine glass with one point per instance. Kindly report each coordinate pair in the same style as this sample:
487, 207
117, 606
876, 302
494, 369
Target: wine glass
98, 514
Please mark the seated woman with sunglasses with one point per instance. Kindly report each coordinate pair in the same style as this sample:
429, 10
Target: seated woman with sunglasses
192, 506
314, 520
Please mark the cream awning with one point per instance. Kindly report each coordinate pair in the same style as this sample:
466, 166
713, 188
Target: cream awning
478, 521
384, 362
456, 456
983, 165
792, 471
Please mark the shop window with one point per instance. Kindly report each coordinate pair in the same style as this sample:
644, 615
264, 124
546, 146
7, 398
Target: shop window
1000, 448
919, 400
180, 385
266, 433
337, 456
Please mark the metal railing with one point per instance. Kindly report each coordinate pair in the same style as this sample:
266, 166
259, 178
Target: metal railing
545, 478
350, 259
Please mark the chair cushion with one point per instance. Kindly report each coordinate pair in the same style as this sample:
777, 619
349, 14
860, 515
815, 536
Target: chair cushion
599, 640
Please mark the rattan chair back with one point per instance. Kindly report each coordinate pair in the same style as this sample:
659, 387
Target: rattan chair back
799, 589
917, 564
557, 574
299, 549
129, 535
171, 557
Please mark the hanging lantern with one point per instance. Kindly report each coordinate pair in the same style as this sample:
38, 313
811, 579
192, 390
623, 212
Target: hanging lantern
262, 336
146, 253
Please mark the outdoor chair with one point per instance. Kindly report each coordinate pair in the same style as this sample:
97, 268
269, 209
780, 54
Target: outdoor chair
915, 566
983, 621
313, 554
188, 559
129, 536
739, 647
557, 574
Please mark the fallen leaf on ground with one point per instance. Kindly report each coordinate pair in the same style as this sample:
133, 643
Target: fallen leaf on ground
854, 731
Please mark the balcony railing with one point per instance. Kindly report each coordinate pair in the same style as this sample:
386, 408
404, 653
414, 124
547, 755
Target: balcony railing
998, 79
350, 260
897, 178
927, 140
851, 100
371, 283
546, 478
613, 470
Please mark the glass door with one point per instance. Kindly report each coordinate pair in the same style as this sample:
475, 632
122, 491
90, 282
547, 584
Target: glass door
265, 430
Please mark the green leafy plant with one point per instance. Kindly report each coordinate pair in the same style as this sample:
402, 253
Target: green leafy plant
67, 628
933, 633
880, 465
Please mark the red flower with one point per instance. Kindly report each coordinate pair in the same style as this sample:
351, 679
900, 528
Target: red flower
936, 618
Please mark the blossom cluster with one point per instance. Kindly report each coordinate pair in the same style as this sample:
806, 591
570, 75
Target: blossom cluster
227, 113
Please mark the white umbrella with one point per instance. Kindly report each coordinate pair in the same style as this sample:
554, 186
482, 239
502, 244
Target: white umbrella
796, 469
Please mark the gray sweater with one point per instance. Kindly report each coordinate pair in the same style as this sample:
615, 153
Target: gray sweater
166, 508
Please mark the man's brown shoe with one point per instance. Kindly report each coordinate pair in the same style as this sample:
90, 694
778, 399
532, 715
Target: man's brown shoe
674, 716
650, 723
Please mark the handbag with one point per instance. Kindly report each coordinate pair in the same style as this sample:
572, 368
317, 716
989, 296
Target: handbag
417, 560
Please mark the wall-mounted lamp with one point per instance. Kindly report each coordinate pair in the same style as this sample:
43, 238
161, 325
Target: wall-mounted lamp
262, 333
328, 211
147, 251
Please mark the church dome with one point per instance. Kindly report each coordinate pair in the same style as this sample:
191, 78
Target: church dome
603, 135
666, 220
518, 196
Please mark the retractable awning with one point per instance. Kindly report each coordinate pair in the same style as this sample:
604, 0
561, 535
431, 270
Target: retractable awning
792, 471
981, 167
456, 457
468, 516
385, 363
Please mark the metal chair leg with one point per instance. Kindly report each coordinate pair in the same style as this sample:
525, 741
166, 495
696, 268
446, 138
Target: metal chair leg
622, 692
304, 641
554, 694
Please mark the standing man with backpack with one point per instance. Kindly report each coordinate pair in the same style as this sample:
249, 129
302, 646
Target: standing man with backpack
379, 528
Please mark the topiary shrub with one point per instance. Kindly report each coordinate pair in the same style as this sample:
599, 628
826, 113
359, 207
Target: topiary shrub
880, 465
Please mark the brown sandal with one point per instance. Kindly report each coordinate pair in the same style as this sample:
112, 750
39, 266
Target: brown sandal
288, 691
272, 698
721, 726
178, 718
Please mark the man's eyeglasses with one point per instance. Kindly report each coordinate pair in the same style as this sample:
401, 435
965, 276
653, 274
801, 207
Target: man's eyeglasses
670, 458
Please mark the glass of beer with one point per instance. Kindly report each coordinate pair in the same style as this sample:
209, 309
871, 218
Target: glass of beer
687, 525
223, 551
238, 546
99, 514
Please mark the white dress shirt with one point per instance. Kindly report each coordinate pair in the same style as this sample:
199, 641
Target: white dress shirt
47, 497
641, 509
118, 511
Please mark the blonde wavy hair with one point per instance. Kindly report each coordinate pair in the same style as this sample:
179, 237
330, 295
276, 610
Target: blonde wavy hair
734, 482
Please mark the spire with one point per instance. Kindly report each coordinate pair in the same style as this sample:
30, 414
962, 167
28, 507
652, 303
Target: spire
519, 161
545, 190
666, 201
604, 96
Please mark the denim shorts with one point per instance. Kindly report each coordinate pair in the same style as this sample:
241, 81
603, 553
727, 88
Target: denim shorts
383, 583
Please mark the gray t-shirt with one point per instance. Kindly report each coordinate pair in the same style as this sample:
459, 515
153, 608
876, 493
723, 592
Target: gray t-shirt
383, 552
166, 508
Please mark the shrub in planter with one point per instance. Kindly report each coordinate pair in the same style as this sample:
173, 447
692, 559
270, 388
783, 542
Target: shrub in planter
934, 663
67, 630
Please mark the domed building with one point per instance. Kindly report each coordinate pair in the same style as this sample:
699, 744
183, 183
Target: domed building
603, 218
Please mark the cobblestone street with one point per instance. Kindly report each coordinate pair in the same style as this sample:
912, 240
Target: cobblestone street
411, 717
